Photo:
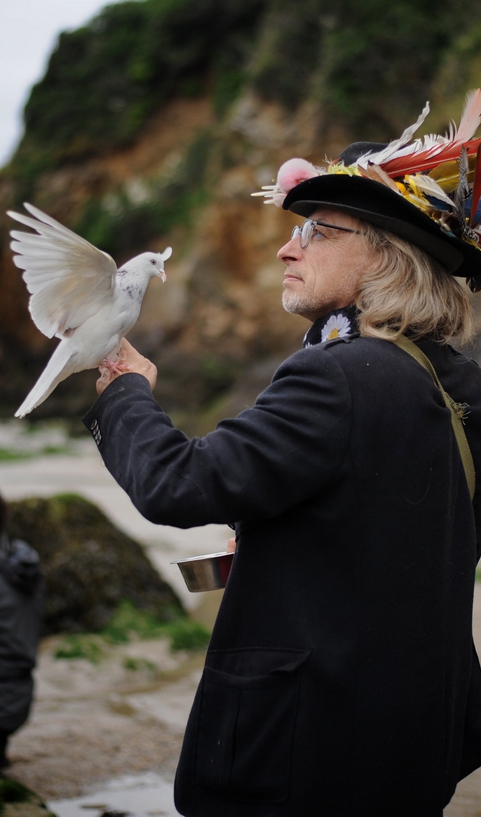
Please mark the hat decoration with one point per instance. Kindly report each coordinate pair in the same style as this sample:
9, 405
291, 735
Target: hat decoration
439, 175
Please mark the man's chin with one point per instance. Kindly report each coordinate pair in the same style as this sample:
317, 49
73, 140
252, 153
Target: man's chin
292, 303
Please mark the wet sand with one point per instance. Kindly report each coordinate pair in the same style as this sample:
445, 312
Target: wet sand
92, 723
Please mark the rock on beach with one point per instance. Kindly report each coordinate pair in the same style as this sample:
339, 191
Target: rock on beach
89, 565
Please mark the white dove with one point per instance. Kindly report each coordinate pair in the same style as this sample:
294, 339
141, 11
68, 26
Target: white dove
78, 295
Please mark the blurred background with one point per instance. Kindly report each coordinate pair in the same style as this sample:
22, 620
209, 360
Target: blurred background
152, 121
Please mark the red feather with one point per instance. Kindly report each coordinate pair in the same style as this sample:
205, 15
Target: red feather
476, 194
425, 160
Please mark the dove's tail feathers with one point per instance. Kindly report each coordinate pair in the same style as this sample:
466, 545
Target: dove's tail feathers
57, 369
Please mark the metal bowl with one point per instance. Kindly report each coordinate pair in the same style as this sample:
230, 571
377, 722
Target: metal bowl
209, 572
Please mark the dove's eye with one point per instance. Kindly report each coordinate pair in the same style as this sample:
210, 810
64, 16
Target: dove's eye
152, 261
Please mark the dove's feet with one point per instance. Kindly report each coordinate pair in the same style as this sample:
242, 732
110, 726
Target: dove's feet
110, 369
116, 366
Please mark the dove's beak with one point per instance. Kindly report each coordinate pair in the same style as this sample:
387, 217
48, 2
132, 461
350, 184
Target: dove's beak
161, 274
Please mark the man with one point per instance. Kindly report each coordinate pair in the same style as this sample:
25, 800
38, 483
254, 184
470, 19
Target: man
341, 679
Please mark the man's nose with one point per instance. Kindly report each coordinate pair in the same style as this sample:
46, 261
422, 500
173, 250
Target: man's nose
290, 251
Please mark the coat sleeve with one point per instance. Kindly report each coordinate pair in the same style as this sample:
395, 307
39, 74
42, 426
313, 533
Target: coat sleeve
271, 457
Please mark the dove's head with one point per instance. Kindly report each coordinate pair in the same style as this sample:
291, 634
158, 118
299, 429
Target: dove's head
150, 263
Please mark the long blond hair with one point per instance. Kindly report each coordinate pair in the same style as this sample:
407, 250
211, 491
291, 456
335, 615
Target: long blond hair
409, 291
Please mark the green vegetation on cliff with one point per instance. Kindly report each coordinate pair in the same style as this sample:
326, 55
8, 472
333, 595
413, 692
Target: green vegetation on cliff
365, 68
369, 65
125, 226
104, 80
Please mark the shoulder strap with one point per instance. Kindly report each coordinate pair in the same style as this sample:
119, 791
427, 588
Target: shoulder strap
456, 410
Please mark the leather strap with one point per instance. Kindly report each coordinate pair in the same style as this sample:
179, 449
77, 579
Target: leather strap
456, 409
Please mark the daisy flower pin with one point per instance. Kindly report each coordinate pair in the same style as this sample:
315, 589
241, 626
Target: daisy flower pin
338, 326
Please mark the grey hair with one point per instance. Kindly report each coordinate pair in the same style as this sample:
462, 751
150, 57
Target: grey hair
406, 290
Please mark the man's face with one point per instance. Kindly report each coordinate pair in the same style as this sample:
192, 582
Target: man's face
325, 275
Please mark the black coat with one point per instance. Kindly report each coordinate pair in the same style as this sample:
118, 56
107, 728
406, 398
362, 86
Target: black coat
341, 679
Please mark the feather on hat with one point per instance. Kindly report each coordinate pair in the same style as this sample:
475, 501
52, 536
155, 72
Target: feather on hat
427, 190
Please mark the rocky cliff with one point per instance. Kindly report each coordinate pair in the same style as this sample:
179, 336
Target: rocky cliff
154, 124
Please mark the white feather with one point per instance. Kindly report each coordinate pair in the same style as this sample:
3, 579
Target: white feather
430, 187
396, 146
470, 119
57, 369
73, 267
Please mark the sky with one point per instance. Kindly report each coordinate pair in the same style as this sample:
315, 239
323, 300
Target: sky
28, 32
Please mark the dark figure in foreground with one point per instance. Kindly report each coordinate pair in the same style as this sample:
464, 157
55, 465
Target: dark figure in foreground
341, 679
21, 597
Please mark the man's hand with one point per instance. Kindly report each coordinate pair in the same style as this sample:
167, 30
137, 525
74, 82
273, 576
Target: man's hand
129, 361
231, 545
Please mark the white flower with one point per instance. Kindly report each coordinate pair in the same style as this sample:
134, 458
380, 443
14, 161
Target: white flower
338, 326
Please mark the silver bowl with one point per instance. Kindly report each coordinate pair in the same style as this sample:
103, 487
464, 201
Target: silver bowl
209, 572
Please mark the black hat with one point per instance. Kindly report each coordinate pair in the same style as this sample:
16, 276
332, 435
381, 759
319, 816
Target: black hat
379, 205
426, 191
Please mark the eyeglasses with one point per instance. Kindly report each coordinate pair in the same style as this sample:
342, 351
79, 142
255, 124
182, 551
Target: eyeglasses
306, 230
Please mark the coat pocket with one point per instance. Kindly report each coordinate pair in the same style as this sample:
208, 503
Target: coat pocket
245, 724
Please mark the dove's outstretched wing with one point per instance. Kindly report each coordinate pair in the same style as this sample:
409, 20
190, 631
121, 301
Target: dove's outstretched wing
68, 278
